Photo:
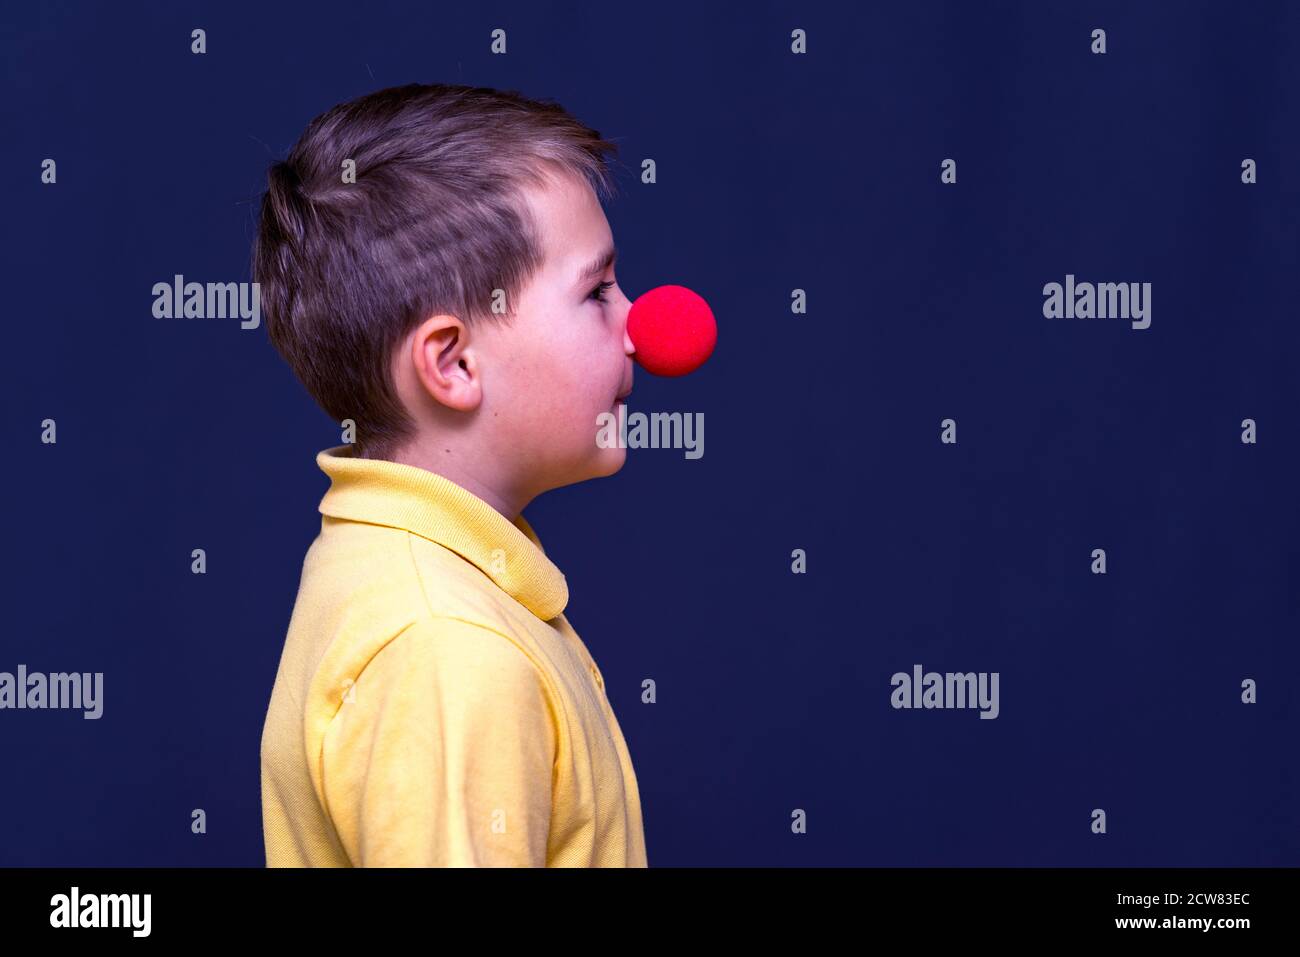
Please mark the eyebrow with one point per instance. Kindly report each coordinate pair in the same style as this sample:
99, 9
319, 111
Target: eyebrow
597, 266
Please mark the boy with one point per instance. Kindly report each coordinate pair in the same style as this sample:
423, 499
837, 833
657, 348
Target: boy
435, 266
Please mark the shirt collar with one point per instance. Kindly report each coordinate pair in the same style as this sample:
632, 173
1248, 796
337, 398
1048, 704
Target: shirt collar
432, 506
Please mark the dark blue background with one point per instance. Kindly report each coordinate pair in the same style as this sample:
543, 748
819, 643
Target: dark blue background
776, 172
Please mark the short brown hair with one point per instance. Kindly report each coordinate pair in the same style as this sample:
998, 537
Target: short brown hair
434, 223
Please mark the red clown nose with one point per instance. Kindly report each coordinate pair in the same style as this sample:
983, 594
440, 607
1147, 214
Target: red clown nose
673, 330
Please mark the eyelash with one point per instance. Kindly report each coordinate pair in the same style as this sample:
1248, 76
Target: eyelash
597, 293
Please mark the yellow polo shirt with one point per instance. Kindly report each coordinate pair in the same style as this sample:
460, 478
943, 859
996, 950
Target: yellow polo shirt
432, 705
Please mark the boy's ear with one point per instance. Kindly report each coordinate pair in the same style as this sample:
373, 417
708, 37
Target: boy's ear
446, 367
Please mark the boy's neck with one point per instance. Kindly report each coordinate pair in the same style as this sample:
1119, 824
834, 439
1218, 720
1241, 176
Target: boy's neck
454, 469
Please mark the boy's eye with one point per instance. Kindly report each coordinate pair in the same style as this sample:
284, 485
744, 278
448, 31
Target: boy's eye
598, 293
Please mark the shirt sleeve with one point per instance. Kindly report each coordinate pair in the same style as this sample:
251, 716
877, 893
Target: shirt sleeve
443, 753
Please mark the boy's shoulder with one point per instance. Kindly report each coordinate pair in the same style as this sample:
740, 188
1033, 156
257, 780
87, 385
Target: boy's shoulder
401, 546
440, 546
373, 582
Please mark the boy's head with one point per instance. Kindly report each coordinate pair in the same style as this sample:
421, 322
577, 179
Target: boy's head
421, 257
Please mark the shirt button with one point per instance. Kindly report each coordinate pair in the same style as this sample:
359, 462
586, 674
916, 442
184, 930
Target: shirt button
600, 684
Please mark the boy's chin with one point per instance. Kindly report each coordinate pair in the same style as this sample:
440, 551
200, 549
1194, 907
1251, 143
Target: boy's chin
604, 463
610, 461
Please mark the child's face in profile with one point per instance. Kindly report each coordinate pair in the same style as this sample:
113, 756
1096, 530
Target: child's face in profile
567, 357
